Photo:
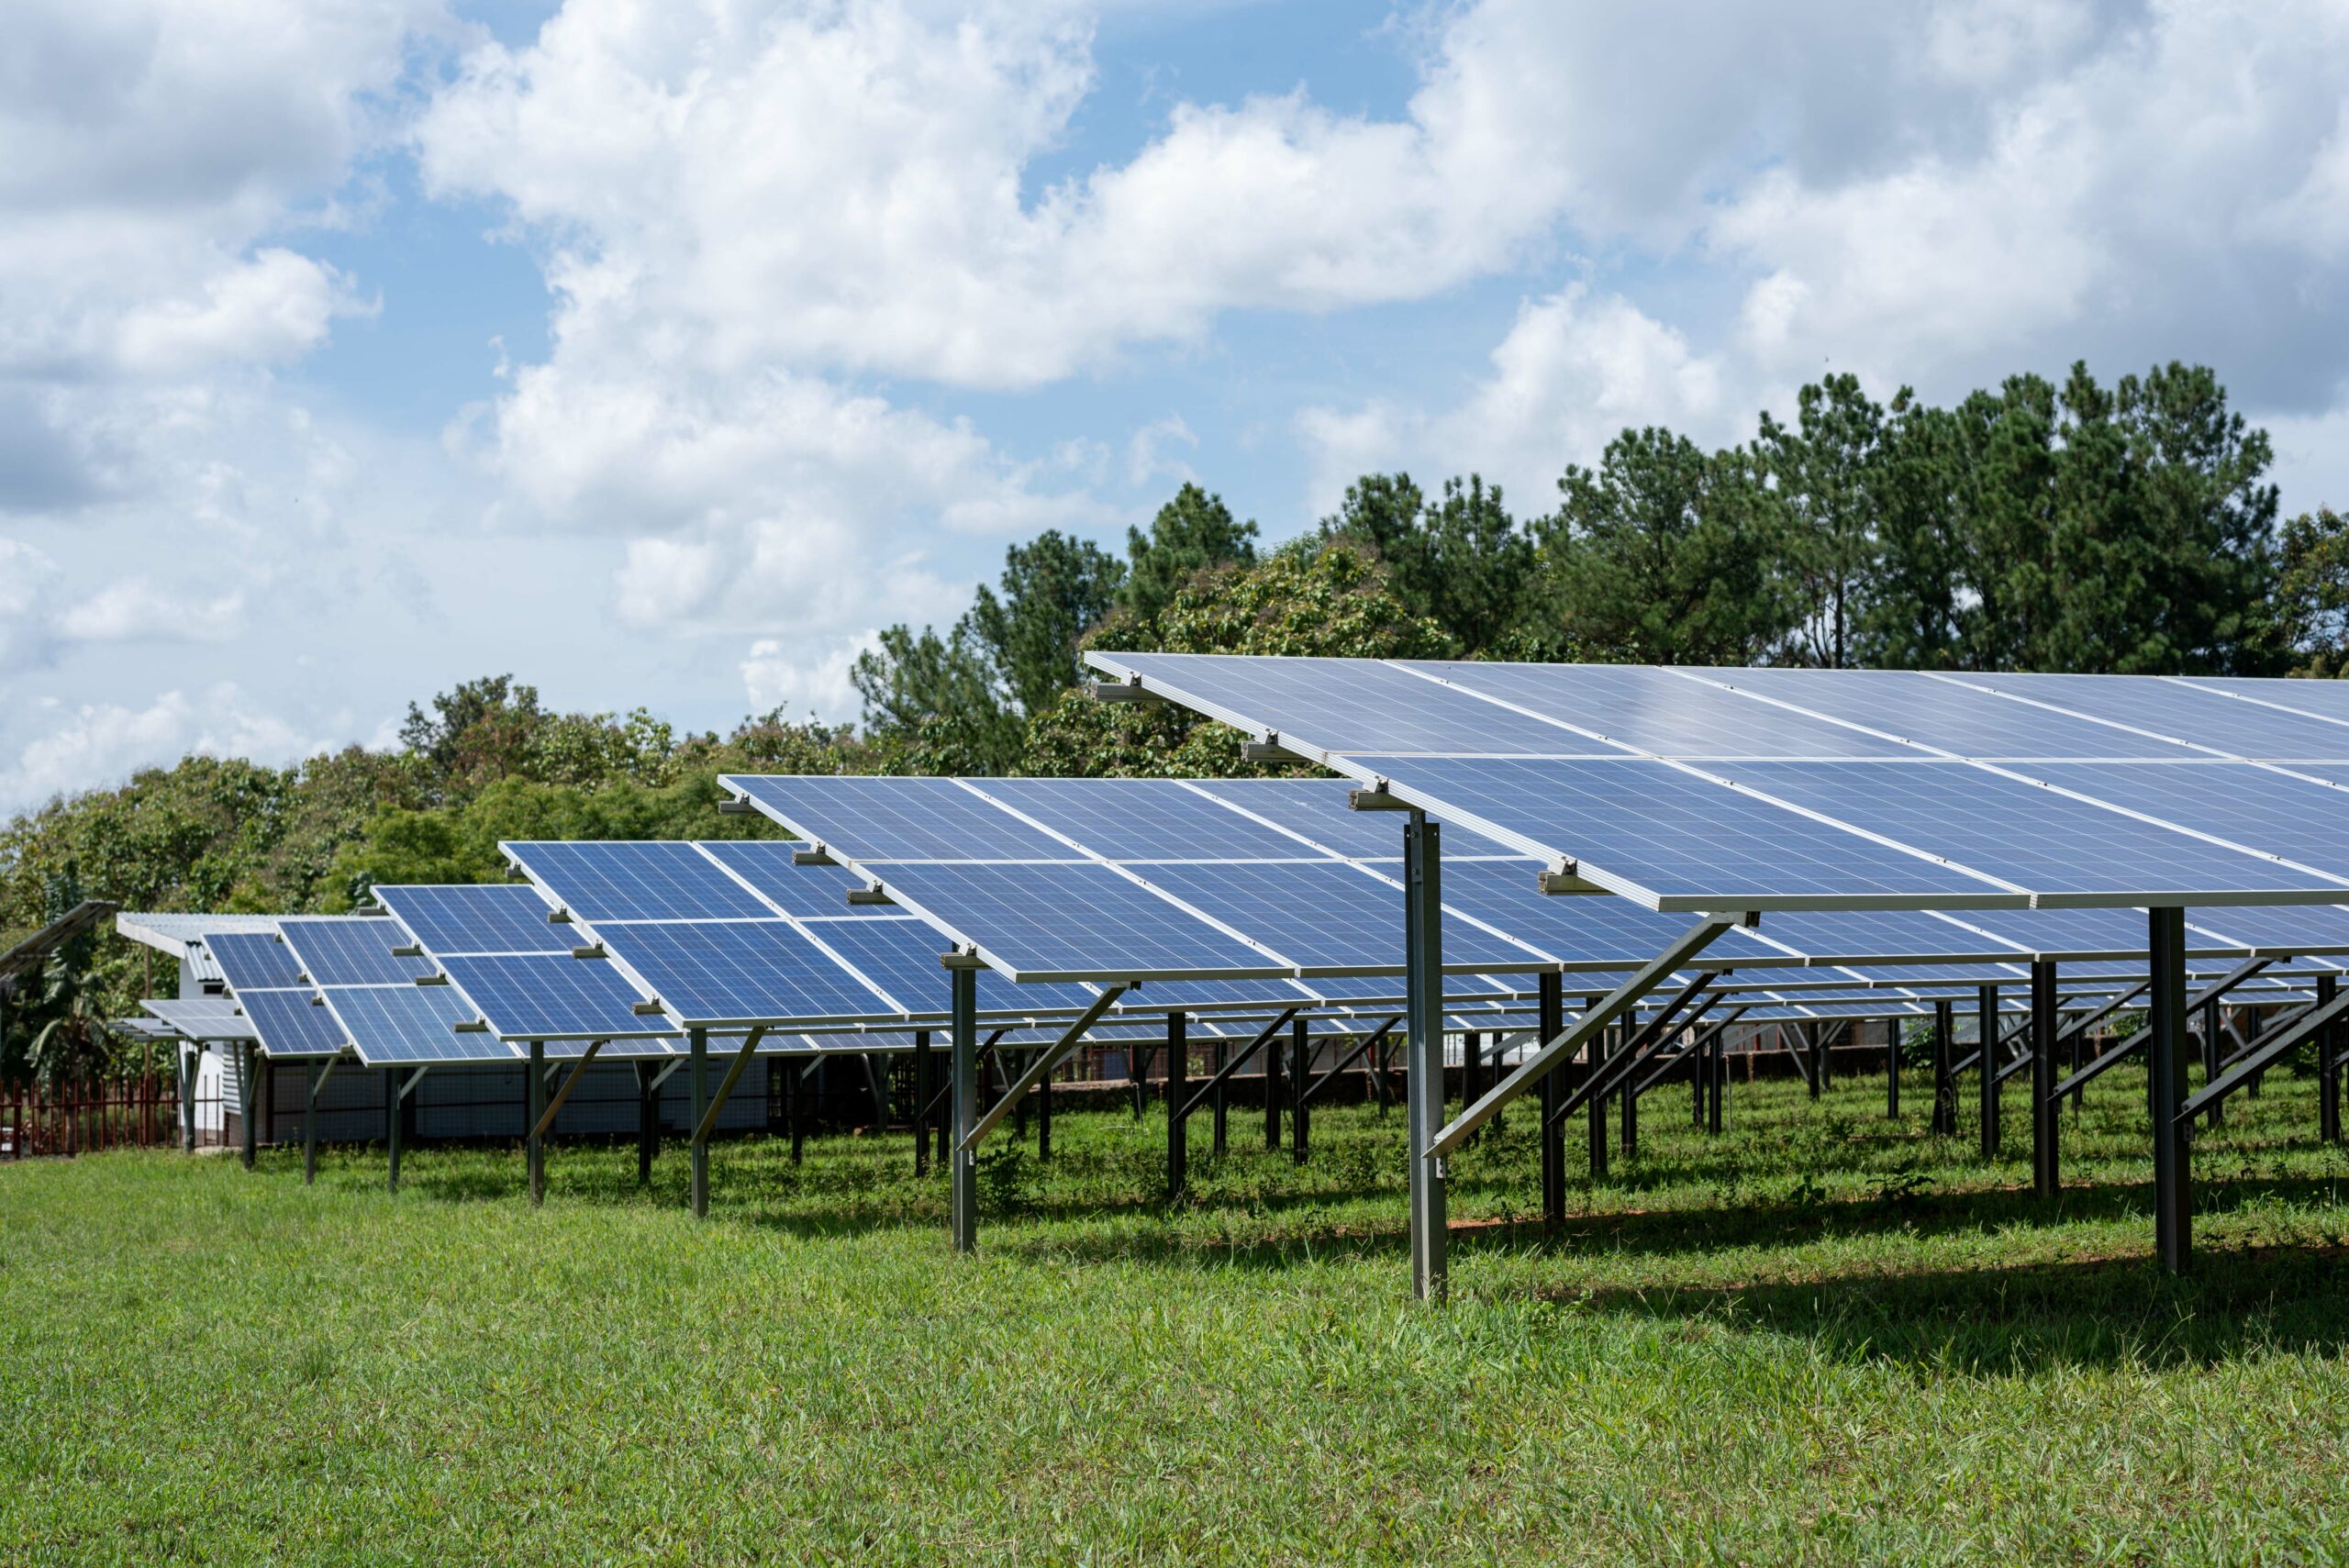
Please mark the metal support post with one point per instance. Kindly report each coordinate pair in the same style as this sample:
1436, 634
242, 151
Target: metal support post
1472, 1053
1218, 1100
648, 1122
2328, 1066
1272, 1096
964, 1210
1602, 1046
1044, 1116
2045, 1025
795, 1096
1985, 1006
1823, 1055
2165, 1026
392, 1128
534, 1111
2210, 1053
1178, 1120
309, 1122
1944, 1084
1716, 1088
697, 1048
2252, 1024
1300, 1077
922, 1102
248, 1097
1629, 1117
1423, 991
188, 1060
1892, 1069
1551, 1024
1808, 1034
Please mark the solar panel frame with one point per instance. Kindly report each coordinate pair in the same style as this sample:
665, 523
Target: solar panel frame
352, 950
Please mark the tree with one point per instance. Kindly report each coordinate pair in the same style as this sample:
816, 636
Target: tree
1312, 598
936, 702
1827, 474
1666, 554
1055, 588
1461, 561
2312, 591
1192, 531
1913, 613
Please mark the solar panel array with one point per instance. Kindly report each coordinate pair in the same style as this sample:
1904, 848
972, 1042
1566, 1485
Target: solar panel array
1105, 877
1754, 789
366, 976
265, 976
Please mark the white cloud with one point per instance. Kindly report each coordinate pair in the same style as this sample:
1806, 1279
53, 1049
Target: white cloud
28, 577
141, 609
100, 743
272, 309
803, 687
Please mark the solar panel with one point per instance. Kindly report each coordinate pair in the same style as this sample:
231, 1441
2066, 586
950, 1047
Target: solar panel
1316, 810
202, 1018
403, 1025
253, 961
1658, 712
1073, 921
522, 997
876, 820
637, 881
2283, 815
292, 1023
1327, 915
746, 972
795, 889
1145, 819
2176, 711
484, 918
351, 949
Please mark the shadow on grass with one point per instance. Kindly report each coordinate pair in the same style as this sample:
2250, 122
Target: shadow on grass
2028, 1318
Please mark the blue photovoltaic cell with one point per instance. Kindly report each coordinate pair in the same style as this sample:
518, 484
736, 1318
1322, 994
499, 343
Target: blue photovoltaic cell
1317, 809
766, 865
488, 917
1863, 935
396, 1024
1584, 929
202, 1018
291, 1023
2312, 927
1659, 712
894, 819
351, 949
900, 955
2182, 713
526, 997
2324, 702
2047, 843
1145, 819
251, 961
1071, 920
1327, 914
749, 972
636, 880
1357, 705
1941, 714
2059, 931
1678, 836
2278, 814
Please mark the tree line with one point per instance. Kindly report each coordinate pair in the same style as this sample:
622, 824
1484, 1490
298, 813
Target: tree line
2079, 526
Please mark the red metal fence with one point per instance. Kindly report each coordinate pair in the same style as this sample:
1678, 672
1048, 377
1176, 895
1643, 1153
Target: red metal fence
136, 1113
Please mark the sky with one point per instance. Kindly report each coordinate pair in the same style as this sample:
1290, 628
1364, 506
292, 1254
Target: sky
660, 351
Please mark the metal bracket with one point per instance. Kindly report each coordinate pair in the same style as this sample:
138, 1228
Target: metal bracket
1270, 750
650, 1008
961, 957
558, 916
409, 949
739, 806
413, 1080
1121, 691
1375, 798
435, 978
593, 950
1567, 877
817, 856
875, 894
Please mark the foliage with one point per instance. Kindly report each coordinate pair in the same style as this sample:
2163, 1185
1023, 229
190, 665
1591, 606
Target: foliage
1697, 1368
1191, 533
2312, 591
1328, 599
1461, 562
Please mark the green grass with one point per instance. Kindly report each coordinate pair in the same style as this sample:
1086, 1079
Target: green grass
1820, 1338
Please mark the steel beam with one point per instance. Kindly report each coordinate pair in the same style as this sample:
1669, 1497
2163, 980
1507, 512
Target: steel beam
1300, 1078
648, 1120
1550, 1022
1178, 1126
2165, 1032
922, 1102
1325, 1079
1423, 1015
964, 1207
1944, 1076
534, 1095
697, 1055
1072, 1040
2327, 1067
1601, 1046
2045, 1021
2270, 1047
1632, 1048
1892, 1069
1234, 1063
1985, 1006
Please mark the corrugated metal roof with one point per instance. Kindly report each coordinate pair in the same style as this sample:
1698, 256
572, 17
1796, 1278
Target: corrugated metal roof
182, 935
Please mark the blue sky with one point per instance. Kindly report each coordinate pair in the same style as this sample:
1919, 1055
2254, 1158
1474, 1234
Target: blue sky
662, 354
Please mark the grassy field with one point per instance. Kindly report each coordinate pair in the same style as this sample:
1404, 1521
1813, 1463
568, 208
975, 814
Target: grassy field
1821, 1337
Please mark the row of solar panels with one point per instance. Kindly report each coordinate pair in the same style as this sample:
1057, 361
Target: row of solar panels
1779, 788
729, 935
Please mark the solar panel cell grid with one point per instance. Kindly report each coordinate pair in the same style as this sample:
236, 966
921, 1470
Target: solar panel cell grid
894, 819
395, 1025
638, 880
491, 918
292, 1023
525, 997
1658, 711
749, 972
767, 866
250, 961
1061, 921
1143, 820
351, 951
